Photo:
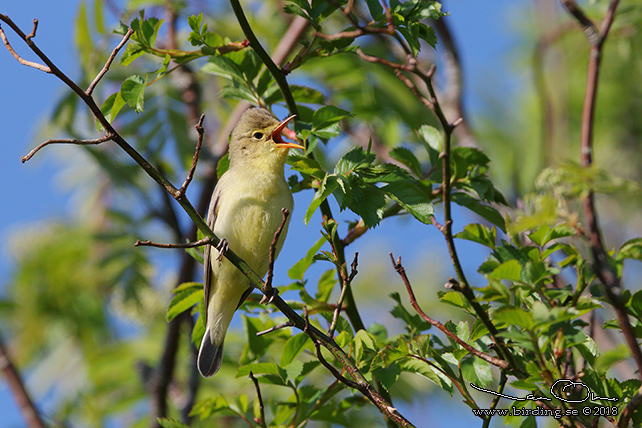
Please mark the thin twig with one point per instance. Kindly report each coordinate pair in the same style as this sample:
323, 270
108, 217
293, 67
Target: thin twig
17, 387
275, 328
18, 57
199, 243
346, 280
587, 25
412, 64
192, 169
267, 287
92, 85
261, 419
413, 301
33, 30
95, 141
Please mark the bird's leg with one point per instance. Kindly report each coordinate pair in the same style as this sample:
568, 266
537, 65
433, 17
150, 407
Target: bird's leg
269, 295
222, 248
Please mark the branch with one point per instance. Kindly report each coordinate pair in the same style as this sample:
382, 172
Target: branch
603, 268
275, 328
279, 77
67, 141
27, 39
413, 301
199, 243
190, 174
17, 387
625, 417
261, 419
587, 25
111, 58
346, 280
267, 288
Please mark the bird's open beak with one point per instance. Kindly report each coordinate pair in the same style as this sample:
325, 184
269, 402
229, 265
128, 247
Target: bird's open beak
281, 129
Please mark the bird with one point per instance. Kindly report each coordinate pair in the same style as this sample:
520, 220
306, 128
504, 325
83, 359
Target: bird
245, 211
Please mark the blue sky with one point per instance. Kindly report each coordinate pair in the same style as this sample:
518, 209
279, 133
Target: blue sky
36, 192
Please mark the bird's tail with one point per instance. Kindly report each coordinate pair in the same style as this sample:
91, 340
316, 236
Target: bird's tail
210, 355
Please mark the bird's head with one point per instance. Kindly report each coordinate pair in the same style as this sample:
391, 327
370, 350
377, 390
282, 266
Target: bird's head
257, 139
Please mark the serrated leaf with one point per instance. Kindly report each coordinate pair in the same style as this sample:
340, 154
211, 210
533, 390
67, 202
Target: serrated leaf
510, 270
412, 198
515, 316
407, 158
327, 116
293, 347
485, 211
133, 92
479, 233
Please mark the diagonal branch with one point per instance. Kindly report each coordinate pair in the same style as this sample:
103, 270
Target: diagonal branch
17, 387
413, 301
111, 58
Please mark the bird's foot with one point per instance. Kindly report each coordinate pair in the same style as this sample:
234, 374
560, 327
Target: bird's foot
222, 248
269, 297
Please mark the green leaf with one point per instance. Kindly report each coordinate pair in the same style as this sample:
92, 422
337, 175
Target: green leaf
293, 347
433, 140
477, 371
631, 249
307, 166
407, 158
480, 234
327, 281
170, 423
111, 107
611, 356
329, 185
185, 296
83, 35
133, 92
515, 316
487, 212
412, 198
353, 160
326, 117
510, 270
298, 270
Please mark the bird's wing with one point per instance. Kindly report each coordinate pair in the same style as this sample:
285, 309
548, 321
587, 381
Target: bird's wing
211, 220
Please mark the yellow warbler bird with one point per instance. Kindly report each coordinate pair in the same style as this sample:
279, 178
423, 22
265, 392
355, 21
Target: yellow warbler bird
245, 210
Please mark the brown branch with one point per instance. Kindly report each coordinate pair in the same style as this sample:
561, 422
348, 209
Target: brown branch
28, 40
95, 141
192, 169
261, 419
33, 30
453, 91
199, 243
412, 62
111, 58
267, 287
587, 25
17, 387
603, 268
275, 328
346, 280
413, 301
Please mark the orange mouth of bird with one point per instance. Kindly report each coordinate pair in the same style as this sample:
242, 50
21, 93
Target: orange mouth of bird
281, 129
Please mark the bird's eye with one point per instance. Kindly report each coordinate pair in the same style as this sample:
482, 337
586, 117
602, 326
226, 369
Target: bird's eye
258, 135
